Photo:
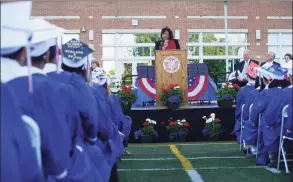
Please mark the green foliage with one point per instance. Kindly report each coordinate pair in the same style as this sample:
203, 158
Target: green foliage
112, 72
214, 129
227, 89
148, 130
167, 93
126, 95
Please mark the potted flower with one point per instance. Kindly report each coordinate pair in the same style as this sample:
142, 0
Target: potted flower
226, 96
126, 96
213, 127
177, 129
147, 132
172, 96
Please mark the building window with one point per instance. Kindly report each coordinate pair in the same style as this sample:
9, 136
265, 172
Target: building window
280, 44
128, 50
210, 48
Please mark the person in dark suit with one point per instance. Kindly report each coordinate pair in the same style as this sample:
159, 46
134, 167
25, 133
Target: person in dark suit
240, 69
167, 41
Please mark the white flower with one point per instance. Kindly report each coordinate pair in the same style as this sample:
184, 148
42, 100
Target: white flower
177, 87
183, 121
153, 122
230, 86
204, 117
209, 120
179, 123
213, 115
148, 120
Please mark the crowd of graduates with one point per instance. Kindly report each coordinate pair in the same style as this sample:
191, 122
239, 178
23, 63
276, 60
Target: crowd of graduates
55, 126
260, 120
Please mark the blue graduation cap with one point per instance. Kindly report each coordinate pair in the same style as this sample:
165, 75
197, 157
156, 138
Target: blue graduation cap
275, 72
75, 53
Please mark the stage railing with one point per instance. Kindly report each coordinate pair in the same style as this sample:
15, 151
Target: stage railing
219, 78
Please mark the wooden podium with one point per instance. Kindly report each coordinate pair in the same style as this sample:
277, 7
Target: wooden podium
171, 68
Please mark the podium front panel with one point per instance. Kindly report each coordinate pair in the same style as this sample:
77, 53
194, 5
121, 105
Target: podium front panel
171, 68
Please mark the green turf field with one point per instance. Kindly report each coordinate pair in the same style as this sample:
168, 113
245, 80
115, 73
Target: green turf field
213, 162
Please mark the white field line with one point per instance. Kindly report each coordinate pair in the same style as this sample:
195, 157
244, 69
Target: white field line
273, 170
200, 168
178, 144
194, 175
191, 158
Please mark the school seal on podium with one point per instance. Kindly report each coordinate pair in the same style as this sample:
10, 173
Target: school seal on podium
171, 64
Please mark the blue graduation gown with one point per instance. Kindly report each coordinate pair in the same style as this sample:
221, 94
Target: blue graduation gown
16, 148
260, 106
85, 157
250, 129
108, 131
242, 95
45, 105
273, 118
125, 122
288, 121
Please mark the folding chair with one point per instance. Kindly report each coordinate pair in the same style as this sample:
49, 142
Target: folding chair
282, 138
241, 126
259, 118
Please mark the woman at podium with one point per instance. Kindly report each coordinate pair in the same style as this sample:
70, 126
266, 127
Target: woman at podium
167, 41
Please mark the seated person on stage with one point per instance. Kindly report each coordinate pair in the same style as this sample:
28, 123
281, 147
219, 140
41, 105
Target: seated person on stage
239, 75
273, 118
272, 88
242, 96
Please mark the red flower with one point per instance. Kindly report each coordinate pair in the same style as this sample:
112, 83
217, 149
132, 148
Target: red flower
176, 85
218, 120
171, 86
172, 123
165, 90
186, 124
236, 86
145, 124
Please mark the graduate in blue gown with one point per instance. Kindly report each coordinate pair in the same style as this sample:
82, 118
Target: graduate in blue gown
17, 151
242, 96
114, 147
273, 118
273, 87
88, 150
250, 129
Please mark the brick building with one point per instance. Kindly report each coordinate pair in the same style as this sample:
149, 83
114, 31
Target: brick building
123, 31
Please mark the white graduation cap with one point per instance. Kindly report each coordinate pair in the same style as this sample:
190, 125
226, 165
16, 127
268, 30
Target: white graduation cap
288, 66
99, 76
44, 36
14, 34
15, 14
74, 64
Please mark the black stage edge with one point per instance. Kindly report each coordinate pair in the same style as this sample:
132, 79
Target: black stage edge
194, 116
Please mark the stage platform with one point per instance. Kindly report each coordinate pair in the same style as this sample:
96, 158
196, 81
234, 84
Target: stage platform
192, 114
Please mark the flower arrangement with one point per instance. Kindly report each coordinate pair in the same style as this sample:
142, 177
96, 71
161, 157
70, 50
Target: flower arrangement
177, 128
126, 96
172, 95
228, 89
213, 127
147, 130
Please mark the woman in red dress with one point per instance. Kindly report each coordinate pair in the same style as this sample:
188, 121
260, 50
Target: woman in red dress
168, 42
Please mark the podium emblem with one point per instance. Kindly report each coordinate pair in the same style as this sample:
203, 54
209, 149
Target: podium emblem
171, 64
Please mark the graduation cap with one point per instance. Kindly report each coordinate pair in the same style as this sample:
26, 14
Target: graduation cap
252, 69
274, 72
75, 53
14, 34
99, 76
44, 36
288, 66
